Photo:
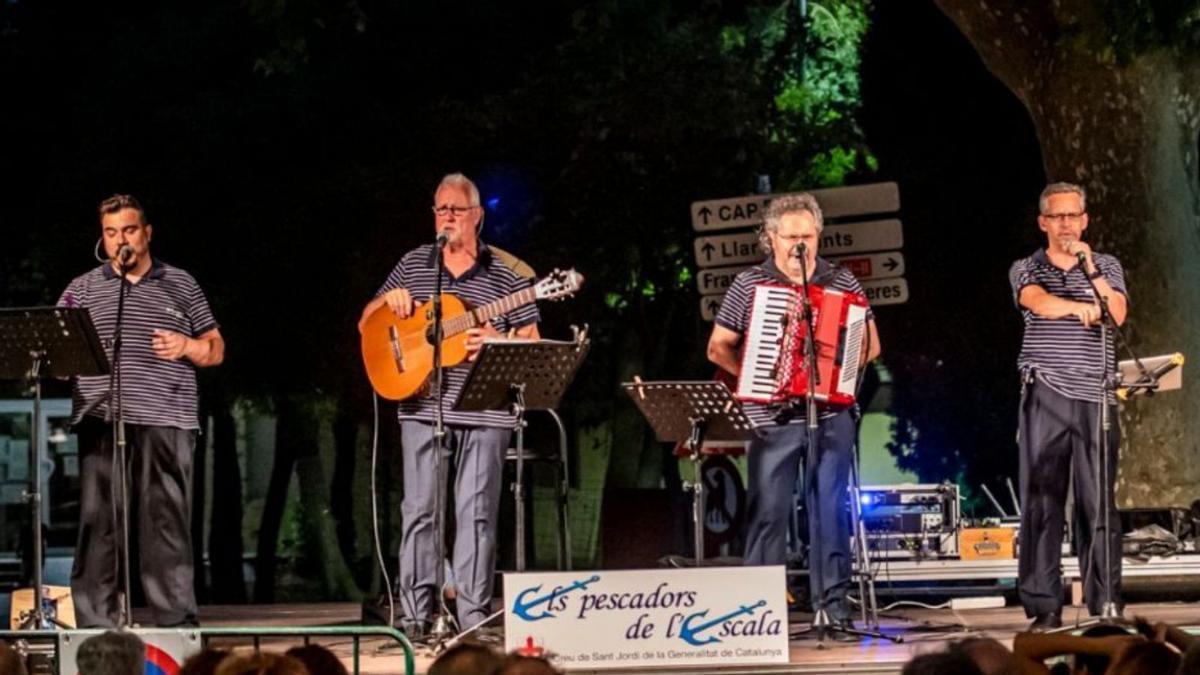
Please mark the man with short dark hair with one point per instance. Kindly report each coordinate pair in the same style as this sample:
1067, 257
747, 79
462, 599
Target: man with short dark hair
111, 653
1063, 365
167, 332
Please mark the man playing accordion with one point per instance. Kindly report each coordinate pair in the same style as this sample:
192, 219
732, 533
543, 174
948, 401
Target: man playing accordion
791, 237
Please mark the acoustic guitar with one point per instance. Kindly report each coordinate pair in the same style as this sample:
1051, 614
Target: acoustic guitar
398, 353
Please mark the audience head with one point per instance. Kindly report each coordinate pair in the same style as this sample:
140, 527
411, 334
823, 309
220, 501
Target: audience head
1096, 664
318, 660
260, 663
1145, 658
941, 663
11, 662
203, 662
1190, 664
466, 659
988, 654
112, 653
515, 664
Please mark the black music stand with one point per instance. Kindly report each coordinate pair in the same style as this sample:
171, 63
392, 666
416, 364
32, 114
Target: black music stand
692, 412
35, 343
521, 375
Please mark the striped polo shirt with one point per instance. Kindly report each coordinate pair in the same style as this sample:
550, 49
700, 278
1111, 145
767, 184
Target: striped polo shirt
1064, 354
735, 316
487, 280
154, 391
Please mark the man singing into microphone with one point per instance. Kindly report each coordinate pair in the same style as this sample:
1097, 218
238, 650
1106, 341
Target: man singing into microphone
793, 230
167, 331
475, 441
1062, 363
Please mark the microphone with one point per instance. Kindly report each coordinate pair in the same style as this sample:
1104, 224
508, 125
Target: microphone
124, 254
799, 250
1082, 258
442, 238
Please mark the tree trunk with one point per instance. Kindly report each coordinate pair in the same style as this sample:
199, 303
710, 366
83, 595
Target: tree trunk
225, 535
320, 533
287, 438
1128, 133
341, 489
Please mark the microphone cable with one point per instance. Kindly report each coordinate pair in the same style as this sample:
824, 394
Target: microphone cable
387, 580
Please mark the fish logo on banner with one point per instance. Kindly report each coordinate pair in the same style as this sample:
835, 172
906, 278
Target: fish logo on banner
690, 633
523, 605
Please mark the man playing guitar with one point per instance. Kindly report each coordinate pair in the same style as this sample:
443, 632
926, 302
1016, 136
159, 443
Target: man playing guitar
476, 441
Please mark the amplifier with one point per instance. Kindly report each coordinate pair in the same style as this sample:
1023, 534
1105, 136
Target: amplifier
911, 520
911, 546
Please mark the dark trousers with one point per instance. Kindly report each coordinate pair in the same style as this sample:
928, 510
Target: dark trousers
160, 499
774, 460
1058, 439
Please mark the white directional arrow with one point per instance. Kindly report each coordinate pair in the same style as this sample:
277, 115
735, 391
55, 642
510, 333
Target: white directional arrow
873, 265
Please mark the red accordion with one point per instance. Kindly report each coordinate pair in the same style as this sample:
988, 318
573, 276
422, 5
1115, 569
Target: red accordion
773, 363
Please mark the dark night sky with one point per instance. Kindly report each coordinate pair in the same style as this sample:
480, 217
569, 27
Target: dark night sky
188, 134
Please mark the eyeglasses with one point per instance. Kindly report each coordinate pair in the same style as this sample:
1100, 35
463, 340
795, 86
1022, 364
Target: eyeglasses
445, 210
1072, 217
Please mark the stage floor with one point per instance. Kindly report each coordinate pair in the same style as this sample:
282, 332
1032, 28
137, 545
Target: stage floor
922, 630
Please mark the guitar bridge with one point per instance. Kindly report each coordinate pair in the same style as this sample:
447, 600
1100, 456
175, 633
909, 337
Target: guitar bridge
397, 352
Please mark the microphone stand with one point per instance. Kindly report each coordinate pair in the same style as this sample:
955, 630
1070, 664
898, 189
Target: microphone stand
821, 624
443, 623
117, 415
1108, 380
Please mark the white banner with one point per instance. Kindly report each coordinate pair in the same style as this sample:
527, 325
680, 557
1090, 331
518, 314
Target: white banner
715, 616
166, 649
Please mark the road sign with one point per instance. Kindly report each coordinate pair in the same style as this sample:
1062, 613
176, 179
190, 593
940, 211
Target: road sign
735, 212
872, 265
709, 305
742, 247
728, 249
716, 281
886, 291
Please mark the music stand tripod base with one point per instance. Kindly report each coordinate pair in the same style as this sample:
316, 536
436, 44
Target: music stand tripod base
692, 413
37, 343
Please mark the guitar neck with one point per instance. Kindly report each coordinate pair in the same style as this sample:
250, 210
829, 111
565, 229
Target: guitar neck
481, 315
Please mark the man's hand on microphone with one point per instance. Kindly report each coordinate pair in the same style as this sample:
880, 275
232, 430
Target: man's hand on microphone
1076, 247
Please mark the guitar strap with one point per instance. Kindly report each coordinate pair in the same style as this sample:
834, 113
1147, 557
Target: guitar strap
512, 262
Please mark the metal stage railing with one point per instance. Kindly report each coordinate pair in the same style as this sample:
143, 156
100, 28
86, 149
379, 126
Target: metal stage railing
51, 639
